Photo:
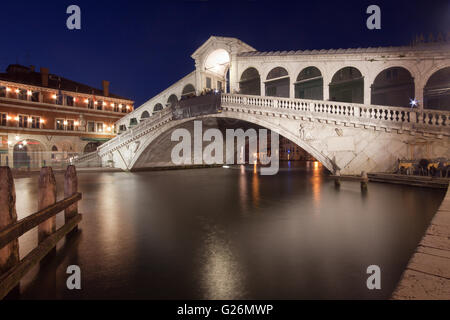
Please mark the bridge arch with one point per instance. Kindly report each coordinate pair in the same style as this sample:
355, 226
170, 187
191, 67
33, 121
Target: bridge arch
277, 83
145, 115
157, 107
347, 85
188, 90
393, 86
292, 135
309, 84
250, 82
436, 92
172, 100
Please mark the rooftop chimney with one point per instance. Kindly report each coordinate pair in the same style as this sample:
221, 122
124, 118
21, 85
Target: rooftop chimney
44, 76
105, 88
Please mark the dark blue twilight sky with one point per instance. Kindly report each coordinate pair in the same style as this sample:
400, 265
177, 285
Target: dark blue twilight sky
142, 47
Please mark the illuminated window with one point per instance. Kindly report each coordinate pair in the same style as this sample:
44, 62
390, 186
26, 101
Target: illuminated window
70, 125
69, 101
35, 96
91, 126
59, 124
35, 122
22, 95
90, 103
23, 121
99, 126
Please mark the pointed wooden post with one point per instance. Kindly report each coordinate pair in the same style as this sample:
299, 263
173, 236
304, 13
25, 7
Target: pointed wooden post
9, 254
46, 197
70, 188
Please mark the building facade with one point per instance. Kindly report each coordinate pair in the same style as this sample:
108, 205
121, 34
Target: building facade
45, 119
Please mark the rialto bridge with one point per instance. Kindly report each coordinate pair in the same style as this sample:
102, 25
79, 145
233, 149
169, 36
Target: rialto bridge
349, 108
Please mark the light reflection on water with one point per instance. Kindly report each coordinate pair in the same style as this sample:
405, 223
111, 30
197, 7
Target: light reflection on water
232, 233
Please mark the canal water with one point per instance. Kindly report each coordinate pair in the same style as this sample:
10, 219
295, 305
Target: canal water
229, 233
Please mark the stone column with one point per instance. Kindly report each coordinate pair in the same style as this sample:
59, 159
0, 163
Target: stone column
234, 81
263, 89
291, 89
418, 94
326, 91
198, 78
367, 90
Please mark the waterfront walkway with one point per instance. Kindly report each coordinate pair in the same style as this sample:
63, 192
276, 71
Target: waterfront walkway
427, 275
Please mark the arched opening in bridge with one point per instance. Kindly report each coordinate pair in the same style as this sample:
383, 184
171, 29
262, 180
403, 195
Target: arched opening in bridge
157, 107
172, 100
188, 91
347, 85
309, 84
145, 115
393, 87
28, 154
91, 146
436, 94
250, 82
215, 68
277, 83
291, 147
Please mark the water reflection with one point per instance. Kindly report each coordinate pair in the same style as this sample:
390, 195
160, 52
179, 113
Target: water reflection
255, 187
222, 275
204, 233
316, 181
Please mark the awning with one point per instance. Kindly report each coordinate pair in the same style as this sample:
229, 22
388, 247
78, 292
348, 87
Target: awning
95, 139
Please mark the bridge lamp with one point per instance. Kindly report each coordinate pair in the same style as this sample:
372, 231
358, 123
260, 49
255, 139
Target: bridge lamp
86, 100
104, 103
77, 123
42, 121
17, 90
20, 146
29, 119
112, 105
95, 102
108, 129
8, 117
16, 118
24, 142
413, 102
54, 96
29, 93
65, 122
128, 107
8, 89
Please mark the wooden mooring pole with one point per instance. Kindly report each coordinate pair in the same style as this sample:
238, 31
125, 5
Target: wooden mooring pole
46, 197
9, 254
71, 188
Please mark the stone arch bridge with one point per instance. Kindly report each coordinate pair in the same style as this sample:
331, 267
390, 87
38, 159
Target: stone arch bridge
342, 136
349, 108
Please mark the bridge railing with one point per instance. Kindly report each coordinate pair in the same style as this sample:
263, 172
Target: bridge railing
395, 117
12, 269
159, 117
